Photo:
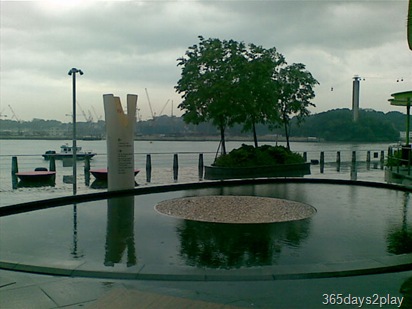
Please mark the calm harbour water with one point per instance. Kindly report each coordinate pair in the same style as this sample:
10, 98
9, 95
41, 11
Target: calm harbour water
29, 157
363, 223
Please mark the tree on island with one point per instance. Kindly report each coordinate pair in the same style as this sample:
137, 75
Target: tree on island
258, 88
295, 86
210, 77
227, 82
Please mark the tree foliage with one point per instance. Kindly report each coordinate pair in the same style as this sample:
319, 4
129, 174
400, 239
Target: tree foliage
210, 76
295, 92
259, 88
229, 82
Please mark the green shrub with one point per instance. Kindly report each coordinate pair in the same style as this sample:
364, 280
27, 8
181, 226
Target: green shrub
249, 156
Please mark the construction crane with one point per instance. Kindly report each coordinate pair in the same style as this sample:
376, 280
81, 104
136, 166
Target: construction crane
164, 106
150, 104
139, 117
87, 118
14, 114
95, 113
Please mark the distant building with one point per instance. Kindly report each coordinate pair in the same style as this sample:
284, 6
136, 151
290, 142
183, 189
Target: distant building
355, 97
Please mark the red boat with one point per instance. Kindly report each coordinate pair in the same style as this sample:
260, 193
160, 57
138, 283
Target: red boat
36, 176
101, 173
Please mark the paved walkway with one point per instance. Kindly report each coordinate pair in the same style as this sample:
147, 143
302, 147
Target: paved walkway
25, 290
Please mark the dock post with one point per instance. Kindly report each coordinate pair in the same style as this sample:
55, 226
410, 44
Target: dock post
148, 168
338, 161
322, 161
175, 167
354, 171
14, 166
353, 156
52, 164
368, 160
86, 164
14, 170
200, 166
87, 170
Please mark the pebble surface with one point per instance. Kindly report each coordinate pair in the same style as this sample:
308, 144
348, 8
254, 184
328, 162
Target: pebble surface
235, 209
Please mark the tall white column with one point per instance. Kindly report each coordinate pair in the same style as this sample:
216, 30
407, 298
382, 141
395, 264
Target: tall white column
120, 141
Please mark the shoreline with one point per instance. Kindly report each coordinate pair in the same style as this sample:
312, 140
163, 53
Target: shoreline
172, 138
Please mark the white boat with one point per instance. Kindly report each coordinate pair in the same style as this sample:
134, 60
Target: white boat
66, 151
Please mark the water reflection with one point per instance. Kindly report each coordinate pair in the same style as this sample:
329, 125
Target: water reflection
227, 246
75, 249
120, 231
37, 184
399, 239
102, 184
16, 183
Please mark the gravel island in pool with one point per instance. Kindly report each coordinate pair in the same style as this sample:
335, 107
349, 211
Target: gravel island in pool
235, 209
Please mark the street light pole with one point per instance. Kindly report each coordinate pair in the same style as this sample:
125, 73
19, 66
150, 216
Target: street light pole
73, 72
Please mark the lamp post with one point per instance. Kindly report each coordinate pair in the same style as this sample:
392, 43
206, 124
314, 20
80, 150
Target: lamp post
73, 72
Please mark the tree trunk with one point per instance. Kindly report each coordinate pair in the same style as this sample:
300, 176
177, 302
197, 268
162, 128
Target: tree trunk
222, 139
255, 135
287, 135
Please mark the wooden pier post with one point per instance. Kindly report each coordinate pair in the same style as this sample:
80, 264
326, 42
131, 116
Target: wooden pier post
87, 171
353, 170
175, 167
353, 156
200, 166
14, 170
368, 160
338, 157
322, 161
14, 166
86, 164
338, 161
148, 168
52, 164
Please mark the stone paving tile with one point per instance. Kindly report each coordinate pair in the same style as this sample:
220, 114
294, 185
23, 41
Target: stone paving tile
23, 280
29, 297
72, 291
37, 291
4, 281
128, 299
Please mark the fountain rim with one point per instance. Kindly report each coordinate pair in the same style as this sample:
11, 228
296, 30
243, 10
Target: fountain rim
369, 266
81, 198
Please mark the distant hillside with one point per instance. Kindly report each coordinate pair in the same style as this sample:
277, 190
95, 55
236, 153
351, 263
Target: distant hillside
337, 125
333, 125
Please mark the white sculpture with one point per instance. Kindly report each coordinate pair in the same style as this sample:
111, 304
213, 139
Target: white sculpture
120, 142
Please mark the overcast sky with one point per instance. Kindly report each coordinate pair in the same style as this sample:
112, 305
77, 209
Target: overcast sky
126, 46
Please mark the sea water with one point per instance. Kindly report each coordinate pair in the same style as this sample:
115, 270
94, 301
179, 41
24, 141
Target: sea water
29, 154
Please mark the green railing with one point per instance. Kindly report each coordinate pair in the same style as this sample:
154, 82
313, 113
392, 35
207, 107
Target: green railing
400, 157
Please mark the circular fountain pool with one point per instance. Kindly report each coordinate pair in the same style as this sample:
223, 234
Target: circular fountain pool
356, 228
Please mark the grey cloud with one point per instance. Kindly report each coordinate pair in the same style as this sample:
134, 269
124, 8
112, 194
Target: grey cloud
122, 44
